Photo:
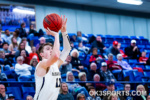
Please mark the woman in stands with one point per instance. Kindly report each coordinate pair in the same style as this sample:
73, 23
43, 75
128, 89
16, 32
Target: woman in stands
33, 64
13, 47
141, 89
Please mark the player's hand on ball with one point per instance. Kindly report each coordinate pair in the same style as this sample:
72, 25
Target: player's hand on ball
64, 26
50, 32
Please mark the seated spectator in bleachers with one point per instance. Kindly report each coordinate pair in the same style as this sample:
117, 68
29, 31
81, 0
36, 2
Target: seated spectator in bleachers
141, 89
95, 57
41, 33
5, 62
98, 44
20, 68
93, 70
75, 88
64, 93
67, 66
32, 30
81, 96
1, 40
127, 90
112, 65
113, 96
143, 58
2, 92
22, 31
42, 41
105, 74
83, 78
3, 76
83, 48
111, 88
21, 47
33, 54
92, 93
27, 47
72, 45
98, 86
123, 64
80, 38
13, 47
16, 35
24, 55
10, 97
33, 64
148, 97
29, 97
114, 49
73, 38
6, 37
121, 51
133, 52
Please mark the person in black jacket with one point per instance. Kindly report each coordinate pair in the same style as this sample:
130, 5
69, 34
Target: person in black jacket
98, 44
32, 31
133, 51
22, 31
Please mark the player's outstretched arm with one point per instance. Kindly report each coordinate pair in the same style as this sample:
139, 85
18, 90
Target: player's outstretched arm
55, 52
66, 43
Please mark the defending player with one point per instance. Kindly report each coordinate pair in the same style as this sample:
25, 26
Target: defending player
47, 75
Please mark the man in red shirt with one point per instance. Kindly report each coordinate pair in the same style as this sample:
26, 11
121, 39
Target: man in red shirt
143, 59
33, 54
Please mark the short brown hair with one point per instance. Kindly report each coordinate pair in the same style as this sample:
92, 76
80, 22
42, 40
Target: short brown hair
41, 49
94, 49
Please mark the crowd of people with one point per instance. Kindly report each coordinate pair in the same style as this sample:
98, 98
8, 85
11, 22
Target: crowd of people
18, 54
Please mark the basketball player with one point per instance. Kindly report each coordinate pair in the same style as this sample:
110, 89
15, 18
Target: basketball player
47, 75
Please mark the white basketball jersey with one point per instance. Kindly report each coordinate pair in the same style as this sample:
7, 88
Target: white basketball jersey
47, 87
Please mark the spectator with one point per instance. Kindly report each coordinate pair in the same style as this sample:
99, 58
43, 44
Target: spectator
10, 97
73, 38
127, 91
143, 59
13, 47
92, 71
64, 93
32, 31
81, 96
92, 93
3, 76
41, 33
74, 88
33, 64
148, 97
33, 54
83, 48
16, 35
123, 64
132, 51
111, 88
121, 51
29, 97
1, 40
141, 89
20, 68
22, 31
98, 86
80, 38
2, 92
42, 41
67, 66
24, 55
105, 74
5, 62
7, 36
21, 47
98, 44
114, 49
112, 65
95, 57
27, 47
113, 96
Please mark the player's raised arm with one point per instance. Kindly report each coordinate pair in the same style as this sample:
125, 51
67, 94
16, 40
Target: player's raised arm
66, 42
55, 50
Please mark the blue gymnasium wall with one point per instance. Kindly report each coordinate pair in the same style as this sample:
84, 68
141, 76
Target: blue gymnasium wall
97, 23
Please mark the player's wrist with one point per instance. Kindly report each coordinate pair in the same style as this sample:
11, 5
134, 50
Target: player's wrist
64, 33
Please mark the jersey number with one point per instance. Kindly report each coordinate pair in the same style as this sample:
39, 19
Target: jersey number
58, 81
